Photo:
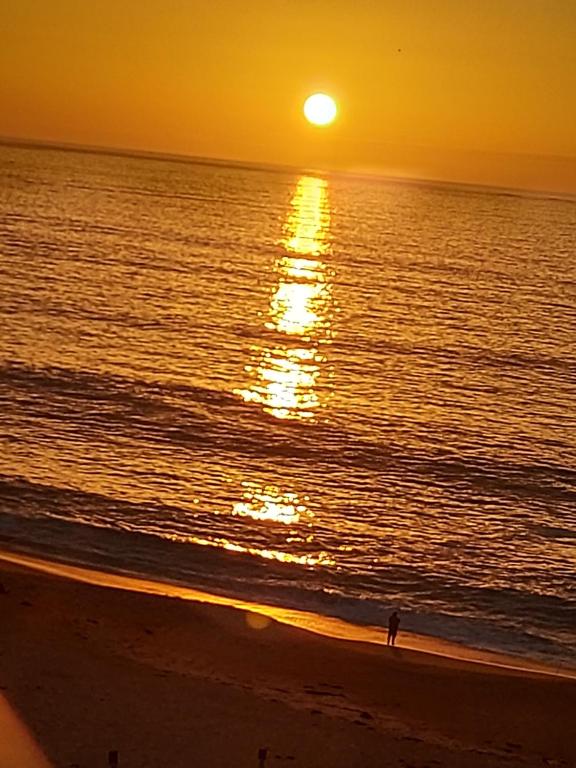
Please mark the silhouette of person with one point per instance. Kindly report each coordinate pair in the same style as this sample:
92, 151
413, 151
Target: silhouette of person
393, 624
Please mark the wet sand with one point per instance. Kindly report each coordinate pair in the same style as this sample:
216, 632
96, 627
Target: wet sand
85, 669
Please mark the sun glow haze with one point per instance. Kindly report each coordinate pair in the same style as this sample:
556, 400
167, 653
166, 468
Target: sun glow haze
320, 109
475, 92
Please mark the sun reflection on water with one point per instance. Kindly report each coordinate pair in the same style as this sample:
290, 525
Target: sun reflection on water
289, 375
288, 378
320, 558
269, 503
307, 229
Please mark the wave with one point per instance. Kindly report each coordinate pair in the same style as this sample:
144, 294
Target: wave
439, 477
192, 416
54, 516
536, 627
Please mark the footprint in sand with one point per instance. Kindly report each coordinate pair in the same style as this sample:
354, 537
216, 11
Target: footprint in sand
315, 692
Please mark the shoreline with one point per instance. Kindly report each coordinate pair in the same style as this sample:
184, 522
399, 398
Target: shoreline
86, 669
326, 626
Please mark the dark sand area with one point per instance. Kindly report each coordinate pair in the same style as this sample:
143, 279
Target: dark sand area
171, 683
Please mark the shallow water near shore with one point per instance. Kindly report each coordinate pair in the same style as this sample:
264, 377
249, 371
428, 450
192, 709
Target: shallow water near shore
260, 616
327, 394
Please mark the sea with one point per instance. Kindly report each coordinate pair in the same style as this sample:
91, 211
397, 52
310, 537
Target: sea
322, 392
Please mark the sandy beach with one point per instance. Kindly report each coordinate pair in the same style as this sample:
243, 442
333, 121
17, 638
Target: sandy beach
86, 669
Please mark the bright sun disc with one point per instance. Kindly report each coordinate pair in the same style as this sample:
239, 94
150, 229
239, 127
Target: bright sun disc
320, 109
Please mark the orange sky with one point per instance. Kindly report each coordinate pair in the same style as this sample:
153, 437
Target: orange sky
470, 90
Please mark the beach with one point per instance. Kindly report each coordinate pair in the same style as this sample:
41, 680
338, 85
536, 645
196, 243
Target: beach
291, 392
88, 669
287, 363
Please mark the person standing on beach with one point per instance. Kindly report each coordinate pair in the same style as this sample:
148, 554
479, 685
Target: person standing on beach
393, 624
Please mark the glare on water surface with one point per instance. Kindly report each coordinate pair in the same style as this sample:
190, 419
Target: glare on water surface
288, 377
268, 554
285, 377
269, 503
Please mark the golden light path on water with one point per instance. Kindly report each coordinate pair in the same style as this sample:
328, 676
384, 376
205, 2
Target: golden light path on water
267, 554
289, 378
285, 377
269, 503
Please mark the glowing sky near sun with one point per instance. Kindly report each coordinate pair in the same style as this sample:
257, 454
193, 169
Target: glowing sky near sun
481, 91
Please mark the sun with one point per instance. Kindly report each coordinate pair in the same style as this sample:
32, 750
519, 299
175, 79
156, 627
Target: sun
320, 109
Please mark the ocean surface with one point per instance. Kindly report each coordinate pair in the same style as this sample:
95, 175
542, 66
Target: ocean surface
327, 393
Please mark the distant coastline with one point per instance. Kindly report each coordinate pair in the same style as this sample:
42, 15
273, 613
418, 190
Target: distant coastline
246, 165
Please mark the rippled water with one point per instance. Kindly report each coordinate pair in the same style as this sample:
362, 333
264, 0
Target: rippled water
335, 394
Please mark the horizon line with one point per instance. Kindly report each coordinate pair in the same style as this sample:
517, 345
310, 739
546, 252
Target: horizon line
99, 149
